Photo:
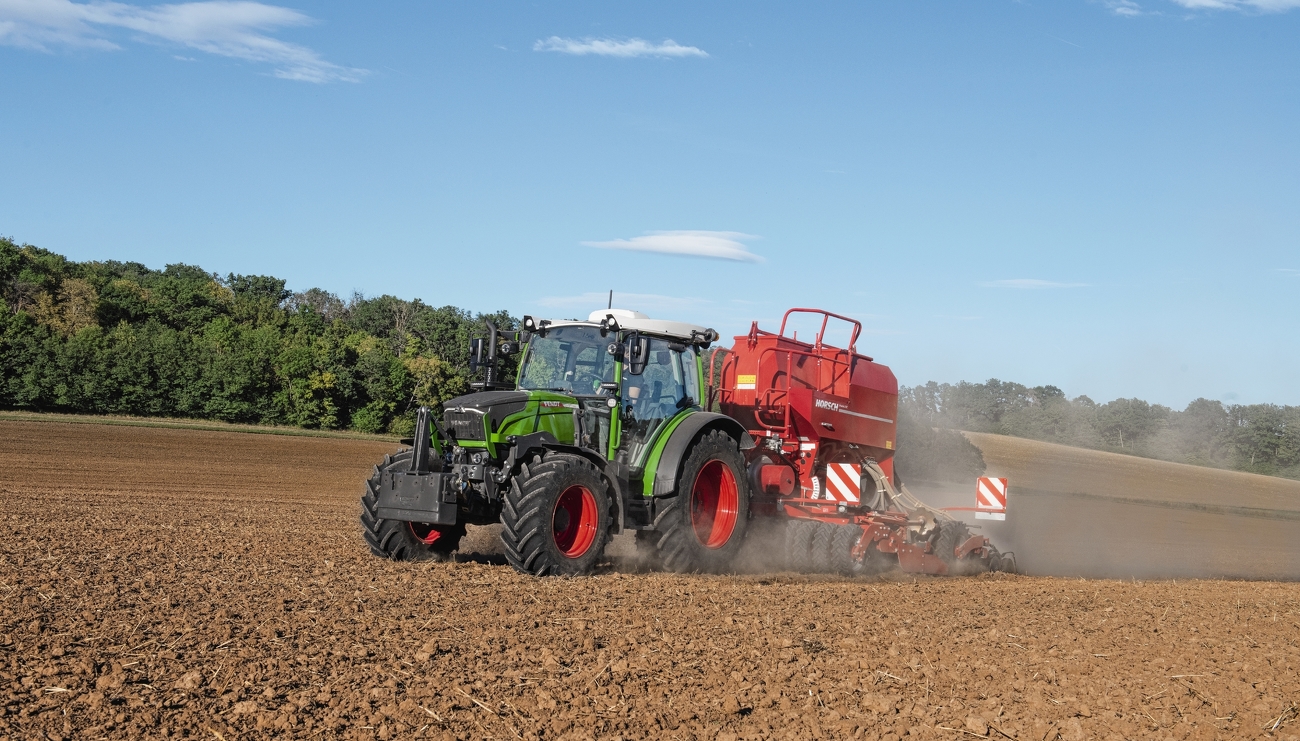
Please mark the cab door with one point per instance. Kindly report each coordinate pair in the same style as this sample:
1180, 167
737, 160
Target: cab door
669, 385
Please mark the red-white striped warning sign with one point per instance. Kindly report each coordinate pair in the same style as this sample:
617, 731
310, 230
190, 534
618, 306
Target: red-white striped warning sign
843, 482
990, 498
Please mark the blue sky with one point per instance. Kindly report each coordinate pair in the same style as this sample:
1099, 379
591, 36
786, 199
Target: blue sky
1104, 196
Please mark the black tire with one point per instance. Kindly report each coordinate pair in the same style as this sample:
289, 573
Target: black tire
555, 516
798, 545
842, 543
647, 555
990, 561
951, 535
877, 562
822, 547
703, 526
403, 541
1007, 564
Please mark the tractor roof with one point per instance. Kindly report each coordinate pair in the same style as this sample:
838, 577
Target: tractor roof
628, 319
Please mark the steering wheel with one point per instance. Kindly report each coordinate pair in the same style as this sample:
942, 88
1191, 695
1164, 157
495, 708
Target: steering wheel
586, 383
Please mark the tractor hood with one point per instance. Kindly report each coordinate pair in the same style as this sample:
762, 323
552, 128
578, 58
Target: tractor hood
484, 400
465, 415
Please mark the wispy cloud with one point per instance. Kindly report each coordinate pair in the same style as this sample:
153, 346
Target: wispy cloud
1123, 7
714, 245
228, 28
1263, 6
637, 301
1288, 271
1030, 284
618, 48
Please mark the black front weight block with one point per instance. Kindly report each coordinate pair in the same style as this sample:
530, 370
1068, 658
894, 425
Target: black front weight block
417, 497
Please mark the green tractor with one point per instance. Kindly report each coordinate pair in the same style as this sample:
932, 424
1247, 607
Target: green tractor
602, 432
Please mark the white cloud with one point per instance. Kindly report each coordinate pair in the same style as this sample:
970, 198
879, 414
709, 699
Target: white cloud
228, 28
1288, 271
1264, 6
614, 48
1124, 7
715, 245
644, 302
1030, 284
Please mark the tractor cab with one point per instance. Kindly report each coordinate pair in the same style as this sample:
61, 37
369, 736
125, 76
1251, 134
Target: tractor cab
629, 375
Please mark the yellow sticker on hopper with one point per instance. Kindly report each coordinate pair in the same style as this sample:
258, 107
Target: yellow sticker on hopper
746, 382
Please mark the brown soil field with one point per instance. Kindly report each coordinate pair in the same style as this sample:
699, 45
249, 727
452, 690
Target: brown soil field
167, 583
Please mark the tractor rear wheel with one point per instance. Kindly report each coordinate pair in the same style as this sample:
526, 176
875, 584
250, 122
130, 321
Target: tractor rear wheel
403, 541
703, 527
555, 516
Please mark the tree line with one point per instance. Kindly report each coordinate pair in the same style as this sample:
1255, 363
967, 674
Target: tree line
121, 338
1259, 438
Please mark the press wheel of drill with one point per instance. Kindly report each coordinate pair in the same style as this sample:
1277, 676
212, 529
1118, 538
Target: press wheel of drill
951, 535
703, 527
822, 546
877, 561
798, 544
403, 541
843, 540
555, 516
992, 560
1008, 565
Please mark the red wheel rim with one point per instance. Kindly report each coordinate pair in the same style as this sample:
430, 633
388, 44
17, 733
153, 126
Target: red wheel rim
573, 523
714, 504
425, 533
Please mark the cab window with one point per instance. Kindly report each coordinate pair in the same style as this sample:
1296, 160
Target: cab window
668, 385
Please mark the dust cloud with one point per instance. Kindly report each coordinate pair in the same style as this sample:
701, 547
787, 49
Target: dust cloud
1075, 512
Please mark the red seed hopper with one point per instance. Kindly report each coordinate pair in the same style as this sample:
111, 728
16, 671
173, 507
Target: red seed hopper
824, 420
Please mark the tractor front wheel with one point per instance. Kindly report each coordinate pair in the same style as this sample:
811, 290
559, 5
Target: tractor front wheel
703, 527
403, 541
555, 516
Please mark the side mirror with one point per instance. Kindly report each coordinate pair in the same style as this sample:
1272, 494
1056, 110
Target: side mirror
475, 353
705, 338
637, 354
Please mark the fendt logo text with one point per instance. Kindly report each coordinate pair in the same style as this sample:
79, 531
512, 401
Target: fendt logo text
834, 406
